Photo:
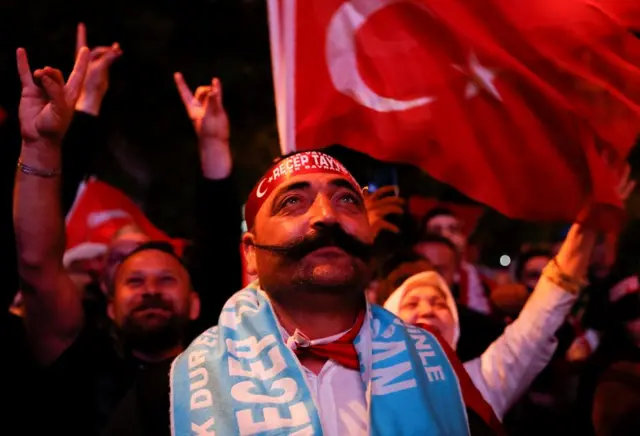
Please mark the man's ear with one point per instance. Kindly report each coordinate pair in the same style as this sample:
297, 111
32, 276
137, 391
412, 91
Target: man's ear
194, 306
249, 253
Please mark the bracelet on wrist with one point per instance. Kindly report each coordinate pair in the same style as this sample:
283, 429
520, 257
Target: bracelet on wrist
554, 274
33, 171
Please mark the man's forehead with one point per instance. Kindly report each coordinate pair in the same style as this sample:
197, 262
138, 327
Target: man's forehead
316, 181
151, 259
290, 168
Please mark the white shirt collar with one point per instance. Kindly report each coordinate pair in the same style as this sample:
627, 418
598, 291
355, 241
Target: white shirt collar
298, 337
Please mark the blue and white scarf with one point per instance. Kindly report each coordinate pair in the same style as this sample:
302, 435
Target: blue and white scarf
240, 378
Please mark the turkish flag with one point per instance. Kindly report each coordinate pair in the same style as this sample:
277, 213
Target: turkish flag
97, 213
512, 103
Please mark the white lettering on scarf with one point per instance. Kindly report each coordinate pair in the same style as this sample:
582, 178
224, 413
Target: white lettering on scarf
382, 378
269, 364
208, 338
203, 430
199, 377
200, 395
273, 420
239, 305
425, 351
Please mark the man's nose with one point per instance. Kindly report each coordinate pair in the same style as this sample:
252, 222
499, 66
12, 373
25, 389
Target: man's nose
151, 286
322, 211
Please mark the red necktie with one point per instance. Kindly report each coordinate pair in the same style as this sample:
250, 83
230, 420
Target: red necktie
341, 350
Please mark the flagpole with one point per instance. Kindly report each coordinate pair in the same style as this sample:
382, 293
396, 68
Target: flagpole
288, 143
276, 42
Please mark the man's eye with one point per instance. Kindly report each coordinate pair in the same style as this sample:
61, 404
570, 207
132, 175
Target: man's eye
134, 281
167, 279
290, 201
350, 199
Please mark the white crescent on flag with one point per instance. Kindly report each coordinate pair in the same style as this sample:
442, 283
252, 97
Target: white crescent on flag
342, 58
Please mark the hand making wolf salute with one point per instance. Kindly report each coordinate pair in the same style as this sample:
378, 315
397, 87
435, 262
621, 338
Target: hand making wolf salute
47, 102
96, 82
87, 378
211, 125
46, 110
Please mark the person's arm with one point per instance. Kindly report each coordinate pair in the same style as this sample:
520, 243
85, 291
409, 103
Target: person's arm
214, 261
54, 314
510, 364
507, 368
86, 138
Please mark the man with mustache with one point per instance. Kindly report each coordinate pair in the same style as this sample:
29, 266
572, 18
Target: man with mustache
299, 351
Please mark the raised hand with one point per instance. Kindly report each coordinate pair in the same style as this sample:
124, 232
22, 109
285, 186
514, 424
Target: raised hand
96, 83
205, 109
47, 103
574, 255
379, 205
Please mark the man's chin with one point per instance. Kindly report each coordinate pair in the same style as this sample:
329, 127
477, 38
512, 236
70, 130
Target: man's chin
152, 334
330, 275
152, 314
331, 264
328, 279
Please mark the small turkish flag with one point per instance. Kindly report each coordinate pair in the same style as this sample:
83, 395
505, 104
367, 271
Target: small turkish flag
512, 103
98, 212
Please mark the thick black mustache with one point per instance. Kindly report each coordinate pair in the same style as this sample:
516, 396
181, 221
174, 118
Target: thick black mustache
153, 302
328, 236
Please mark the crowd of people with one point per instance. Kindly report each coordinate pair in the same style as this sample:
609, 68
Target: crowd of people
342, 332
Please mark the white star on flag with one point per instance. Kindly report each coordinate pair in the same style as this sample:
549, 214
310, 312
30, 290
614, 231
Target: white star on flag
480, 78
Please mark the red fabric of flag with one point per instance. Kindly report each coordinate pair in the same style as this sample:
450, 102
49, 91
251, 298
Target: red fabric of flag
512, 103
627, 11
98, 212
